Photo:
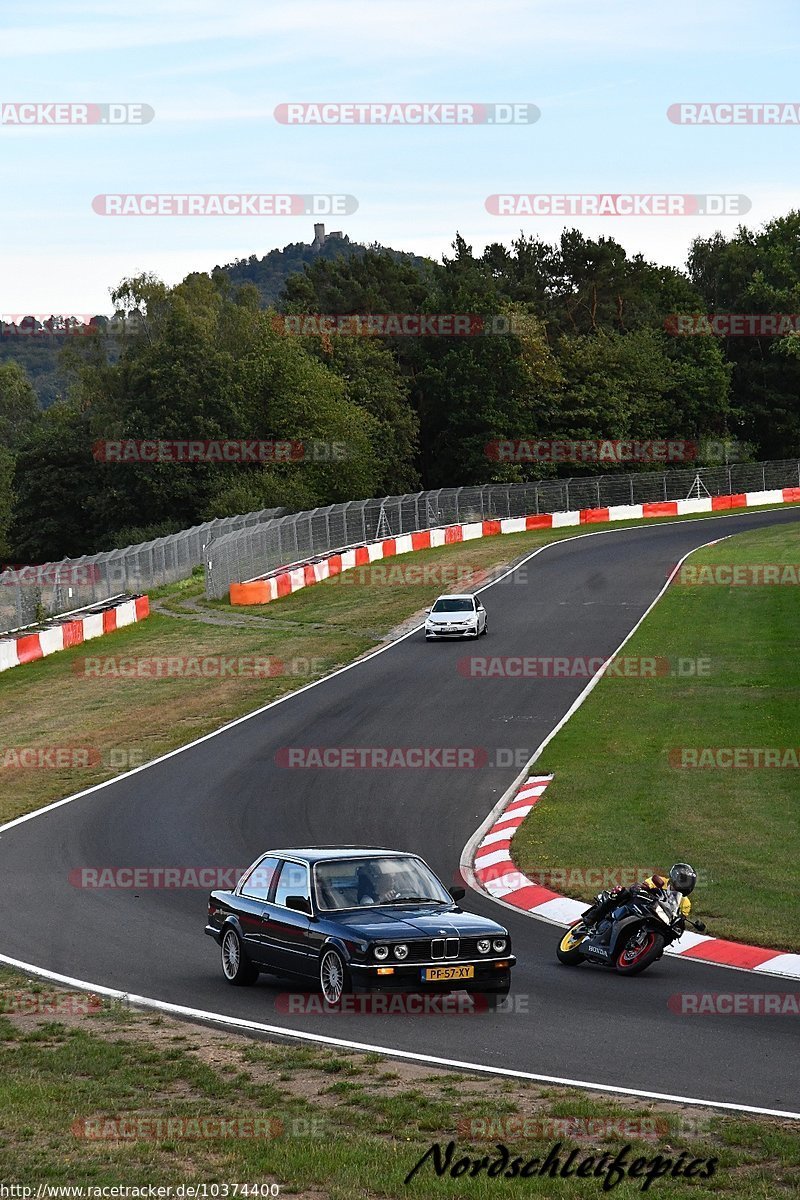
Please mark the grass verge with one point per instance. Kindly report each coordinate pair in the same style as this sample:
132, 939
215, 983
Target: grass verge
318, 1123
620, 798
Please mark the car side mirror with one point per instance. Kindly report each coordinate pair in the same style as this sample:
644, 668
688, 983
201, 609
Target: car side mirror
299, 904
427, 610
458, 893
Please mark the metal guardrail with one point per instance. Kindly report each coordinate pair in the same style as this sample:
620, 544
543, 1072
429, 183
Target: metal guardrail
31, 593
262, 547
233, 549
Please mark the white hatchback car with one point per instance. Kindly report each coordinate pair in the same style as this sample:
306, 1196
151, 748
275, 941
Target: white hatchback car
461, 615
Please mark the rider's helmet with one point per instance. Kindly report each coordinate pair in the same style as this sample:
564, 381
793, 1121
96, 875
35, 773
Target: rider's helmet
683, 878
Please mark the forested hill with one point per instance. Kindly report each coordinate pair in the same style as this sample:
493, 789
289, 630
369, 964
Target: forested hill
573, 341
270, 273
41, 356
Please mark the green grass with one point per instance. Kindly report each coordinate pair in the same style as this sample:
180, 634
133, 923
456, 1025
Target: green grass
349, 1140
616, 800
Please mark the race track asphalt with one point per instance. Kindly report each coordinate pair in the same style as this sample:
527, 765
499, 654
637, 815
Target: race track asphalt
224, 800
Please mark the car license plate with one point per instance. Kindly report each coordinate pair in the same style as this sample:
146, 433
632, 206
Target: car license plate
433, 974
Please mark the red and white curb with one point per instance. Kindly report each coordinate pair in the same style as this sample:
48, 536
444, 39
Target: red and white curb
29, 647
285, 582
496, 875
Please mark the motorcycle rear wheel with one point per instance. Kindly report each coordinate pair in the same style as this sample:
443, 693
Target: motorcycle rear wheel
636, 956
568, 952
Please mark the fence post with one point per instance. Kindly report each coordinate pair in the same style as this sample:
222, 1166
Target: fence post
764, 477
630, 481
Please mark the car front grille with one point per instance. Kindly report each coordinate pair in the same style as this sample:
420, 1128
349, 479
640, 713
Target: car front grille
445, 947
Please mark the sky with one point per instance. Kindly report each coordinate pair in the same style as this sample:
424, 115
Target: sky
602, 74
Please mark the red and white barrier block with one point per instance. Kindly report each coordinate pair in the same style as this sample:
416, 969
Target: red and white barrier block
497, 876
29, 647
284, 583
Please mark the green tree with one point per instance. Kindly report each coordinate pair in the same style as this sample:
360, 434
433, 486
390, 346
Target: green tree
19, 408
6, 499
757, 272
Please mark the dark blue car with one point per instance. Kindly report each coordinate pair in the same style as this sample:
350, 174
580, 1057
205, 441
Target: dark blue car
354, 918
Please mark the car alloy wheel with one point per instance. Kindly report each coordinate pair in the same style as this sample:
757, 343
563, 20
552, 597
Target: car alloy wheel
231, 955
332, 976
236, 966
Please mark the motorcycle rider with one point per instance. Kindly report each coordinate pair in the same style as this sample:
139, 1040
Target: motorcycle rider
672, 890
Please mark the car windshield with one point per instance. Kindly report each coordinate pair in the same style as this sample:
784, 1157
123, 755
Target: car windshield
361, 882
452, 606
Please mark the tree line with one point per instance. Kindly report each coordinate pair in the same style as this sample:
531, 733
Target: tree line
575, 341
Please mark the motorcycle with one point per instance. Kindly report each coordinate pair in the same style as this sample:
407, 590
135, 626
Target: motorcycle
637, 939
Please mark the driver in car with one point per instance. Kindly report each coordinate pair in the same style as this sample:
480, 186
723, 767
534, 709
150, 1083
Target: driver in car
377, 887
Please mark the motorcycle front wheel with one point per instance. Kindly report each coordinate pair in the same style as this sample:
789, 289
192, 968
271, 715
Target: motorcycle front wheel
568, 951
640, 950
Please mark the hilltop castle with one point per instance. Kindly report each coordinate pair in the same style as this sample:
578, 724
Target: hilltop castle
320, 237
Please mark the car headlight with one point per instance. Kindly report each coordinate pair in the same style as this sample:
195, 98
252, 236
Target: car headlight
484, 946
381, 952
499, 945
401, 950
